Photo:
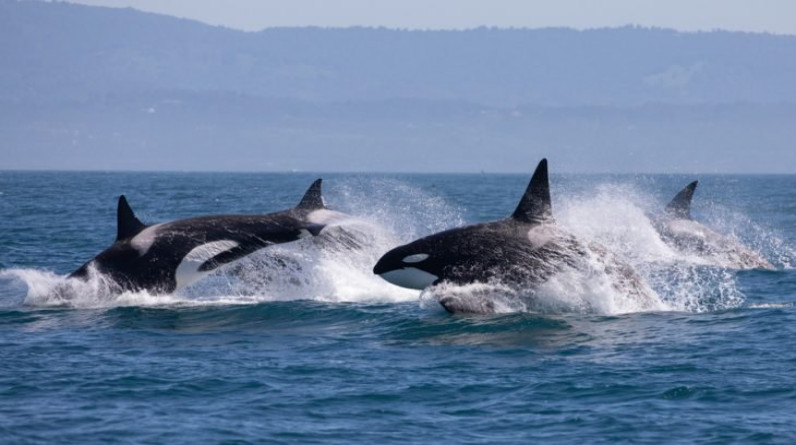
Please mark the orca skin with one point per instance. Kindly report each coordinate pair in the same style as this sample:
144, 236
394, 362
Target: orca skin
165, 257
680, 231
523, 251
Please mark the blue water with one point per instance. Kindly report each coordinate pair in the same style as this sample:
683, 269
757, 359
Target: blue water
332, 354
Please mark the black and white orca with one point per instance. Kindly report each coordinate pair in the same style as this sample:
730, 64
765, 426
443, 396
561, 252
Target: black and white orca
679, 230
168, 256
524, 250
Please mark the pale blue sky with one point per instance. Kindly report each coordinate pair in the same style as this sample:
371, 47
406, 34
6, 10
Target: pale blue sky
775, 16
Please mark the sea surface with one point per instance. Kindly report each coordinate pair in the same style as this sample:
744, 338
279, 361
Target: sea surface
315, 349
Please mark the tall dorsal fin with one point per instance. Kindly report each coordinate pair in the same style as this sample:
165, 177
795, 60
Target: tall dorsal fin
535, 207
127, 225
313, 199
680, 207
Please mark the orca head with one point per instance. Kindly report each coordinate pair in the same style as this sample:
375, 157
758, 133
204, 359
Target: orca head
115, 262
680, 206
415, 265
114, 259
464, 254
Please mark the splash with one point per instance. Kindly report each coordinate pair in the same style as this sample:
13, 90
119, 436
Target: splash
598, 283
401, 209
690, 287
617, 216
40, 288
333, 267
740, 227
337, 267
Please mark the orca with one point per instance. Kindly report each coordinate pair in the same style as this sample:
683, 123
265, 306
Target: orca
165, 257
524, 251
680, 231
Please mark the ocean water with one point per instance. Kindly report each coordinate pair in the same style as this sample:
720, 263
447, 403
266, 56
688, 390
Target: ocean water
321, 351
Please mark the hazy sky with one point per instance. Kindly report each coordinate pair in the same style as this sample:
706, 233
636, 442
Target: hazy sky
775, 16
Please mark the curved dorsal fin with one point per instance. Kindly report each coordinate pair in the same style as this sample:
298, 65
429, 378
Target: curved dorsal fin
535, 207
680, 207
127, 225
313, 199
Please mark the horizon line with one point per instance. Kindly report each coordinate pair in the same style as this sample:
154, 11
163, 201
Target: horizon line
377, 172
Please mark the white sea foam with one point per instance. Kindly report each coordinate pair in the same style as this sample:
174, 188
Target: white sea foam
401, 209
785, 305
752, 233
42, 288
336, 266
598, 284
618, 217
319, 269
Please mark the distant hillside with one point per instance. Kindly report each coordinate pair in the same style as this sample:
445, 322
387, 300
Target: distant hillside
57, 48
100, 88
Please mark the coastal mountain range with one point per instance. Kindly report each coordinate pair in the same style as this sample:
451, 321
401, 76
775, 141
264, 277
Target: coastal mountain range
86, 87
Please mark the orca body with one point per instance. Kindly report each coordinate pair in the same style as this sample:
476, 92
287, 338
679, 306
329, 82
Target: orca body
679, 230
168, 256
523, 251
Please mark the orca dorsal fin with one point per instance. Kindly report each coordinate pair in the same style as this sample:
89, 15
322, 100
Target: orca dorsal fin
535, 207
127, 225
313, 199
680, 206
